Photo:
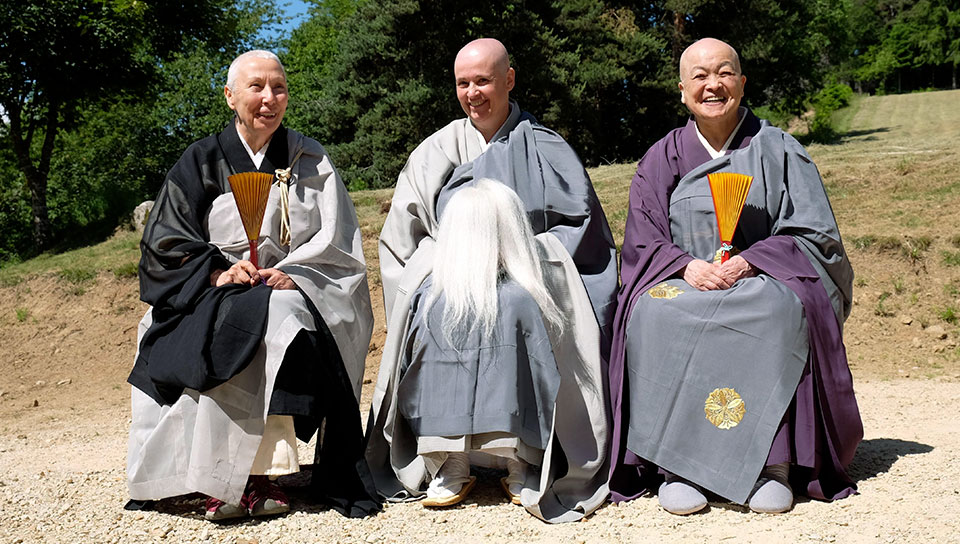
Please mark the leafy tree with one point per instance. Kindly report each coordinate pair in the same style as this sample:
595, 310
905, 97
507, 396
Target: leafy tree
587, 69
62, 58
785, 46
309, 56
904, 44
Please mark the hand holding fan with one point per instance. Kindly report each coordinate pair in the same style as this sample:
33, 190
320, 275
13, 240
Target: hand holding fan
250, 191
729, 192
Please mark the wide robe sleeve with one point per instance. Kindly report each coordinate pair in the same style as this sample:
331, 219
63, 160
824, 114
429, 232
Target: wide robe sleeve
326, 254
648, 256
205, 335
805, 253
412, 217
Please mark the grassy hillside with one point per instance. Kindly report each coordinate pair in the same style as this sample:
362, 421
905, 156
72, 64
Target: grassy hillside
894, 182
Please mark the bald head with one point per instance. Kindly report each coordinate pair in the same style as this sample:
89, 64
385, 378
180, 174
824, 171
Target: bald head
484, 81
711, 86
488, 49
704, 49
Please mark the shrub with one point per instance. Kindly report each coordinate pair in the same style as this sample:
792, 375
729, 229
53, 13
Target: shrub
827, 101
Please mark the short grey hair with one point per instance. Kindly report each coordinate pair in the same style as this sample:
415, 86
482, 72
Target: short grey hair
256, 53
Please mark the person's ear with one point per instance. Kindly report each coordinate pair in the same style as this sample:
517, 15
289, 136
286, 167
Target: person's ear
511, 78
228, 94
683, 99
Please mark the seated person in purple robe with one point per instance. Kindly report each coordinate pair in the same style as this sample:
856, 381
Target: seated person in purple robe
730, 378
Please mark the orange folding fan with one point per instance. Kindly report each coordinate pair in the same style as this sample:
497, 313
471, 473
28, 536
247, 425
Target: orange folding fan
250, 191
729, 192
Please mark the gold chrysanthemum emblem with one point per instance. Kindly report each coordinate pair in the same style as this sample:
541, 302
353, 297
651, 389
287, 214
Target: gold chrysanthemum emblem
724, 408
664, 290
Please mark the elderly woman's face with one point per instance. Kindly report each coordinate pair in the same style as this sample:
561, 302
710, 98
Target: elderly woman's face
259, 98
712, 85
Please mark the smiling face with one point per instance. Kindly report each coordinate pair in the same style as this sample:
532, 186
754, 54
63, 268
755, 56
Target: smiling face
259, 98
711, 84
484, 81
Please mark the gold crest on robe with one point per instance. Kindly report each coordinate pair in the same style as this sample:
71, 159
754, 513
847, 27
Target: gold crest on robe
664, 290
724, 408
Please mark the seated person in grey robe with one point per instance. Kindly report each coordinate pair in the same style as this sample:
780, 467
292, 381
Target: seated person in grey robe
731, 378
414, 450
236, 363
478, 363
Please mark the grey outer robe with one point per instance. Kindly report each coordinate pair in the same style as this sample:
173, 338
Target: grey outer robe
580, 426
178, 449
751, 337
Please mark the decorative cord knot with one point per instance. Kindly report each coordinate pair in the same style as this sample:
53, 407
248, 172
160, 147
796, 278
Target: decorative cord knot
283, 182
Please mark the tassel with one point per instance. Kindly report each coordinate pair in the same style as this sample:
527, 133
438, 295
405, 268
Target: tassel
283, 182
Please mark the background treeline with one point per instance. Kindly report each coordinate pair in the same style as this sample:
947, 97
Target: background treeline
100, 97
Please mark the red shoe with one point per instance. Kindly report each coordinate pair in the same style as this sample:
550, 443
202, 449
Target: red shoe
217, 510
265, 497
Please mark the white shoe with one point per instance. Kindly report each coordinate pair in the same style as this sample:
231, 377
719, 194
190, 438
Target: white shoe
772, 493
513, 483
680, 497
452, 483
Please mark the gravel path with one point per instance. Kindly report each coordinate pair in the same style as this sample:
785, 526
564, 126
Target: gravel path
62, 480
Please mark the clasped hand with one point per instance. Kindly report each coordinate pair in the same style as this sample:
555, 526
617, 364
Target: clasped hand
244, 273
707, 276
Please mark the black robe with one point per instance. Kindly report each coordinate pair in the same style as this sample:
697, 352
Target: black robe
202, 335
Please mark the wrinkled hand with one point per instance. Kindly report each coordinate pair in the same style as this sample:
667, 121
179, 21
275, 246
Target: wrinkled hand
242, 273
737, 268
705, 276
277, 279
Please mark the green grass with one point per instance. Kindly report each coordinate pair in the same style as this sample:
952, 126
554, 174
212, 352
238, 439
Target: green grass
126, 270
843, 119
79, 265
949, 314
881, 310
898, 287
78, 275
951, 258
9, 280
905, 165
22, 314
863, 242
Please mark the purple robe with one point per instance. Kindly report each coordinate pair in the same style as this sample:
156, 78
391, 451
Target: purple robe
822, 426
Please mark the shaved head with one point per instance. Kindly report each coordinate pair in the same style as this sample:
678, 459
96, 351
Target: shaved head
711, 86
486, 48
707, 46
484, 81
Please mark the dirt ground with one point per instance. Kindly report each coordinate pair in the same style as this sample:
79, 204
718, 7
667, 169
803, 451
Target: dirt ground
67, 349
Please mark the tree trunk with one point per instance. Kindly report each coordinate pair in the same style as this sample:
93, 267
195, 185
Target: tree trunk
36, 174
953, 78
679, 30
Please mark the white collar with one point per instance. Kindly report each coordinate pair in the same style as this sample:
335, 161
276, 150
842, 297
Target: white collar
484, 144
714, 154
257, 157
483, 141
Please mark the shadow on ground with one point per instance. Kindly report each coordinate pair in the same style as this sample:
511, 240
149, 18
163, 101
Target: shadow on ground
877, 455
844, 137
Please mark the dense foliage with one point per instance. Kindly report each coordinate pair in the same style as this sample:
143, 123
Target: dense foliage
94, 71
99, 97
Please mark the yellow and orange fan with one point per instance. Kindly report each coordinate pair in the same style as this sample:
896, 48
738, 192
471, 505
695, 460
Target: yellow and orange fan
729, 192
250, 191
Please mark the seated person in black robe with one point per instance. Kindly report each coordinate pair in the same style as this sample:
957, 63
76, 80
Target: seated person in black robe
237, 361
